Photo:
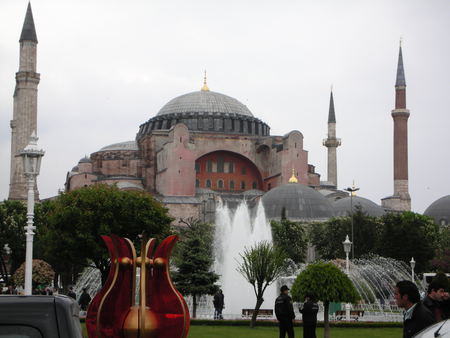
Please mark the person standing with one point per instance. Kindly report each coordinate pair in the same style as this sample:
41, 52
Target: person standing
434, 300
84, 301
284, 312
309, 316
72, 293
219, 304
416, 316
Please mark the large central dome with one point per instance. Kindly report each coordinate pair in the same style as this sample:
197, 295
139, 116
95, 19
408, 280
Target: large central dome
204, 102
208, 112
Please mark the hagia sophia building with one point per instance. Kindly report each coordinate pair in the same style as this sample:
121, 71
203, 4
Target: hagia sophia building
205, 146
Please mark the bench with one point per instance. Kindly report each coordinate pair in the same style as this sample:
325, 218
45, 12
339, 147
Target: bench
264, 313
354, 314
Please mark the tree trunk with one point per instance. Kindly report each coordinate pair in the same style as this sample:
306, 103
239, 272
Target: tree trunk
326, 322
194, 306
259, 301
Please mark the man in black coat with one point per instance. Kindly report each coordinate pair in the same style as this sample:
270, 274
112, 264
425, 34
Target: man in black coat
416, 316
84, 300
284, 311
435, 300
219, 304
309, 316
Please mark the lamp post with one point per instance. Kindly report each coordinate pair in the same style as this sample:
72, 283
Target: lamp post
413, 264
31, 157
347, 247
352, 191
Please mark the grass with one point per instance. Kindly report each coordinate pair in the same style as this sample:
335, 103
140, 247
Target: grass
209, 331
270, 332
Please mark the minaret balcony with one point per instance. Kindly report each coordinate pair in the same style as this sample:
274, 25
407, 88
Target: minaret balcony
332, 142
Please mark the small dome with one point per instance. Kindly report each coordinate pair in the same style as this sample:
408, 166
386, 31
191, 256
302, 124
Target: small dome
85, 160
204, 102
128, 145
299, 201
75, 169
440, 210
342, 207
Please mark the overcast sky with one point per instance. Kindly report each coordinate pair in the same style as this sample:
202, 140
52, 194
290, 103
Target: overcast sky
107, 66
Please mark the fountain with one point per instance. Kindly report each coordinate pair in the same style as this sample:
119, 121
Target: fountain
235, 231
241, 227
374, 278
90, 279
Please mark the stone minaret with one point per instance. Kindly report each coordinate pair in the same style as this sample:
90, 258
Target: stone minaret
24, 120
332, 143
401, 200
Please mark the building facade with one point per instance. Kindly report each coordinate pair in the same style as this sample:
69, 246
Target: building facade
198, 147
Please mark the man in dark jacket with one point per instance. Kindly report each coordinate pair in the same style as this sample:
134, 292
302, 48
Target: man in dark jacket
218, 304
284, 311
84, 300
416, 316
309, 316
434, 300
72, 293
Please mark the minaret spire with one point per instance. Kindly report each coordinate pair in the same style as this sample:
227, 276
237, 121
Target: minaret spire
28, 30
331, 114
400, 80
331, 142
24, 120
400, 200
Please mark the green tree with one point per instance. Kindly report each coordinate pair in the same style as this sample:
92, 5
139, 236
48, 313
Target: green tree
72, 224
441, 260
328, 236
290, 237
13, 218
328, 283
442, 278
409, 235
261, 265
194, 259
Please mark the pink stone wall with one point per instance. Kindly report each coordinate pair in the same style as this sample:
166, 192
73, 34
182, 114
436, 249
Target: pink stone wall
176, 165
81, 180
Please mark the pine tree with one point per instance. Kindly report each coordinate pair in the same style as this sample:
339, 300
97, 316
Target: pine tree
194, 259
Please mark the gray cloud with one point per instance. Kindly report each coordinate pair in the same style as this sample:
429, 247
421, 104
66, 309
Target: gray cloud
108, 66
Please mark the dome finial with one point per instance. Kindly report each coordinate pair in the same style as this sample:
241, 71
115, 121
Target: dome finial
293, 179
205, 86
354, 189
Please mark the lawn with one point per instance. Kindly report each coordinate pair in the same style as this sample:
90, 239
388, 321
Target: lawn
198, 331
207, 331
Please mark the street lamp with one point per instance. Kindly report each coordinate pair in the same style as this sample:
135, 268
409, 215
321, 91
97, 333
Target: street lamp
31, 157
352, 191
413, 264
347, 247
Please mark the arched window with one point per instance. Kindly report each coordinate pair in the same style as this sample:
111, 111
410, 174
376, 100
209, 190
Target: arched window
242, 185
197, 183
209, 166
220, 165
254, 185
231, 185
231, 167
220, 184
208, 183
